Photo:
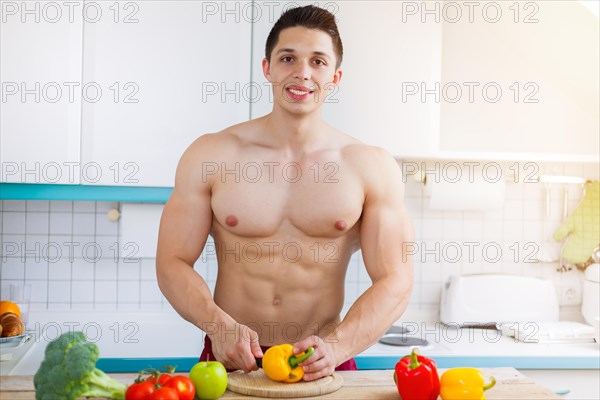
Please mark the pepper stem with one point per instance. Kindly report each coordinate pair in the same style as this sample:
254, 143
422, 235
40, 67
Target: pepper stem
414, 362
491, 384
295, 360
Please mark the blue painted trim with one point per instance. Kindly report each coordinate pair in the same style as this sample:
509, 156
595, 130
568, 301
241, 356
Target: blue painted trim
387, 362
184, 364
115, 365
31, 191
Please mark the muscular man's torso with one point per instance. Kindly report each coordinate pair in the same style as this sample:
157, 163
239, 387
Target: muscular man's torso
284, 227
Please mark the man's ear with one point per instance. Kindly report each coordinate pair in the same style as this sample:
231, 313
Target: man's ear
337, 77
266, 69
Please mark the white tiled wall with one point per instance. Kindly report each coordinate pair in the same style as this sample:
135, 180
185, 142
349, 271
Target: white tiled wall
33, 231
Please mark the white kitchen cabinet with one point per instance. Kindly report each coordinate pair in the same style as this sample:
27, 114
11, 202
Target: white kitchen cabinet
522, 78
579, 384
40, 71
164, 73
383, 55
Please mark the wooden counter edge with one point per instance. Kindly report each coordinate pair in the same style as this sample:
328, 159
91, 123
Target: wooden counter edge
366, 384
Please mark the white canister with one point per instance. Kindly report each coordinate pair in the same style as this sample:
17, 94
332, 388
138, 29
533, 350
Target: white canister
590, 306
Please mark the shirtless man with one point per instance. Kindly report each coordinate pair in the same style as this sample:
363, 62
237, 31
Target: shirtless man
287, 199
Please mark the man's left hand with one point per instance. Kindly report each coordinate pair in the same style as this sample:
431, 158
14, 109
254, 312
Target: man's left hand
323, 360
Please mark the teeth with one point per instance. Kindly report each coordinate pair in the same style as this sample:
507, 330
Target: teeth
297, 92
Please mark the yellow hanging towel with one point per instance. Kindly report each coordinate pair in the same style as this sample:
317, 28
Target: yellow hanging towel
582, 227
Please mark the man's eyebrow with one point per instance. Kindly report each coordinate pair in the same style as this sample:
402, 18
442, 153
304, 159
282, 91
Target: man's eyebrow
288, 50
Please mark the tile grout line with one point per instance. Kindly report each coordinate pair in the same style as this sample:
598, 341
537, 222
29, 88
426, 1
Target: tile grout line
71, 263
521, 264
119, 261
48, 276
94, 265
25, 241
422, 200
140, 283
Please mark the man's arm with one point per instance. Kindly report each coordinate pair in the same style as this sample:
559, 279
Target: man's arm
184, 227
385, 226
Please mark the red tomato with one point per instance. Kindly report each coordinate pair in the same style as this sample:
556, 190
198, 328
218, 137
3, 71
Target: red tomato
162, 379
184, 386
139, 391
164, 393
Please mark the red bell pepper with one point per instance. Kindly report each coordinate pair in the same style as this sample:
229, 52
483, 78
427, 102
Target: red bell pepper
416, 378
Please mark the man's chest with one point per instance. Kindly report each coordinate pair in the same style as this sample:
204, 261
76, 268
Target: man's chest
257, 200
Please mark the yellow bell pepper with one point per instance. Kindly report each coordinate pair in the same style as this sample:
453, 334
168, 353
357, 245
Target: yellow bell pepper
464, 384
280, 364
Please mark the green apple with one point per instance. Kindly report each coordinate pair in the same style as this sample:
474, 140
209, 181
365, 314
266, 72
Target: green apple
210, 379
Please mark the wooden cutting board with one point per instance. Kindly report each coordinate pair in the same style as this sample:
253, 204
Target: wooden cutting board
256, 383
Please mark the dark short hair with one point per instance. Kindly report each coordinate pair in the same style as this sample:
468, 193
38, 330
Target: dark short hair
310, 17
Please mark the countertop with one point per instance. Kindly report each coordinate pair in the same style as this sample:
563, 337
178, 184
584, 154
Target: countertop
374, 384
451, 347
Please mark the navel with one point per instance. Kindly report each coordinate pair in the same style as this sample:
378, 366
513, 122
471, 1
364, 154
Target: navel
276, 300
231, 220
340, 225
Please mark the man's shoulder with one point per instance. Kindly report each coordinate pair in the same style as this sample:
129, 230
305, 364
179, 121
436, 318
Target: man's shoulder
213, 143
208, 152
364, 154
374, 164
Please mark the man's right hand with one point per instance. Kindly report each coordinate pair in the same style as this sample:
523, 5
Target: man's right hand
236, 346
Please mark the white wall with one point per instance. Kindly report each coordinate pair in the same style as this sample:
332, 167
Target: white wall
551, 52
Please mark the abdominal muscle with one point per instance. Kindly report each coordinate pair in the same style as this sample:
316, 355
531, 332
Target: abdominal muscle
285, 290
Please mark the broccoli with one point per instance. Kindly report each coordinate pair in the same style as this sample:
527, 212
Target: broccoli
69, 371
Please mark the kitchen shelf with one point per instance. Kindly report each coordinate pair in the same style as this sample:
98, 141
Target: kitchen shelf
134, 194
445, 155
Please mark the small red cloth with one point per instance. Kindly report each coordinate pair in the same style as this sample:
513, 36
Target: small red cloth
349, 365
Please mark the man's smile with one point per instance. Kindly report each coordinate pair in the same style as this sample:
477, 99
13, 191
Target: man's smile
297, 92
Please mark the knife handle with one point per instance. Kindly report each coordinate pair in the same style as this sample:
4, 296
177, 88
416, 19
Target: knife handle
259, 362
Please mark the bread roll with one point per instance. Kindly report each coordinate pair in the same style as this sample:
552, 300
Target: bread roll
11, 325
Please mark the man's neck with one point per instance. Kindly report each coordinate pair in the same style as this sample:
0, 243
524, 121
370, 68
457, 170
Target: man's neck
296, 133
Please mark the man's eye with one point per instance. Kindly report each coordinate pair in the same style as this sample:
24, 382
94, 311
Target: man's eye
286, 58
320, 62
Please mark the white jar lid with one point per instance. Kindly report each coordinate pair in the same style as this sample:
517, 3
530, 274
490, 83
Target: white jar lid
592, 273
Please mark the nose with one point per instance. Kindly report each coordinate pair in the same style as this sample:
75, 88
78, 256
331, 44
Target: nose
302, 71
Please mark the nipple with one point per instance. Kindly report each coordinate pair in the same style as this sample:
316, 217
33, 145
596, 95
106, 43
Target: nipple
231, 220
340, 225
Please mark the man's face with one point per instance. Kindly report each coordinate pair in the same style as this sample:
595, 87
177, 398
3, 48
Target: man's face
302, 69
